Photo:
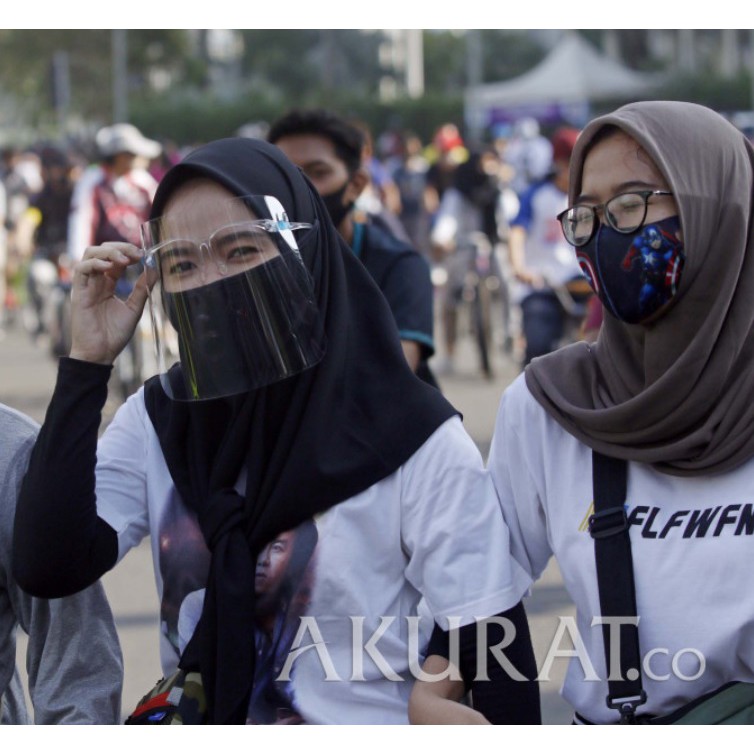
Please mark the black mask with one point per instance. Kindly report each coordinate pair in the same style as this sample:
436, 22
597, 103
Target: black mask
335, 207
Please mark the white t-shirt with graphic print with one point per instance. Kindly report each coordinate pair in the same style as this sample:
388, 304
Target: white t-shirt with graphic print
692, 543
339, 595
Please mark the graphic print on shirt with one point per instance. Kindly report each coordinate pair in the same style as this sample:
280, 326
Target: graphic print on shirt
653, 522
712, 521
283, 581
184, 567
282, 584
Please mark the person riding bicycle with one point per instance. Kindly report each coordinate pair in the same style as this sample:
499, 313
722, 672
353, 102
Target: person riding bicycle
19, 179
468, 213
540, 256
111, 200
53, 205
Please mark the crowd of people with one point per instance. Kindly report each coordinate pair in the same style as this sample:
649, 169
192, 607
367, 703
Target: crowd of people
310, 494
425, 205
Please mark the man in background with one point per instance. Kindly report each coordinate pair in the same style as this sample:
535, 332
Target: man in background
329, 150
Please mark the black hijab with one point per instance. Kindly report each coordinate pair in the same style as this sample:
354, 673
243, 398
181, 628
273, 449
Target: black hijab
307, 443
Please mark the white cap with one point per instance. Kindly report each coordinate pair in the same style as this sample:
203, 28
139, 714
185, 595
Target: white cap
123, 137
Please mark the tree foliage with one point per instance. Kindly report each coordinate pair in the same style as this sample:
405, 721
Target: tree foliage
301, 65
504, 55
181, 87
26, 58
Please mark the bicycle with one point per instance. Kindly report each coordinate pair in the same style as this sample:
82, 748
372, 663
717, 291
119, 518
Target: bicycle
483, 289
573, 296
50, 282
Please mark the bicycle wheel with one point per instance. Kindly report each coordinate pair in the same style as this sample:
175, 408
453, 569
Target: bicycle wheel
483, 326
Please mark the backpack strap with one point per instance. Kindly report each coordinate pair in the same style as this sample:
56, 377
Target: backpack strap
608, 527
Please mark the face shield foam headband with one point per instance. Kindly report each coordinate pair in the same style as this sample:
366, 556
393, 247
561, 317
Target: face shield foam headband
235, 305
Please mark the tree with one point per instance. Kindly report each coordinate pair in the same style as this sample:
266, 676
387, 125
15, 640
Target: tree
444, 62
507, 54
298, 66
26, 61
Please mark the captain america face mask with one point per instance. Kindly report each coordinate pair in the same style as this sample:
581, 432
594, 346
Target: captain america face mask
634, 275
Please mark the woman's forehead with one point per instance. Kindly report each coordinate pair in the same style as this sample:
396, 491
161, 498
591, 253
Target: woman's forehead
615, 161
200, 206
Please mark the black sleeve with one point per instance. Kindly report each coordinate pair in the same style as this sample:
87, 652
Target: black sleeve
403, 277
408, 289
60, 545
503, 697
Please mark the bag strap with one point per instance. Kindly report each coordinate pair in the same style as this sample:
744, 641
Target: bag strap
608, 527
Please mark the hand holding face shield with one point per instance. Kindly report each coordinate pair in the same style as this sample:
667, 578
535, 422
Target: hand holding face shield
235, 307
102, 324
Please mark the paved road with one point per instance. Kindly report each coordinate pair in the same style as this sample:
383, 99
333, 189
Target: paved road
27, 377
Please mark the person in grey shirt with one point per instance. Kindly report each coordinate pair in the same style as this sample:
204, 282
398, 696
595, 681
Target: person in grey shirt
73, 660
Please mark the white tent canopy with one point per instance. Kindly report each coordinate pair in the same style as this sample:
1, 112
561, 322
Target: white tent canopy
573, 72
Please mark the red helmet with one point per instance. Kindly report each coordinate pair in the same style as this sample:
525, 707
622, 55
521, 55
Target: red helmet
563, 142
447, 137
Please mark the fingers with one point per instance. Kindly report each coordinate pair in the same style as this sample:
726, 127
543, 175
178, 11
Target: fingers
114, 251
115, 256
139, 294
122, 247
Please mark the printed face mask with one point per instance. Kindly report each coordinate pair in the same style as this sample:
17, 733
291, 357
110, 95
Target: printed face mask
636, 274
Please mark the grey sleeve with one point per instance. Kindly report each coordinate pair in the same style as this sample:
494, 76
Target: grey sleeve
73, 660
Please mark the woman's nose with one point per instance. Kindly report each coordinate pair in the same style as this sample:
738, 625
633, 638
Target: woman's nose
213, 269
211, 273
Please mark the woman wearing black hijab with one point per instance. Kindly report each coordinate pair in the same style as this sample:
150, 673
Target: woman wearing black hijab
292, 401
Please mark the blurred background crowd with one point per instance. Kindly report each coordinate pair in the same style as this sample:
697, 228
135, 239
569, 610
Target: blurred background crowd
467, 135
466, 140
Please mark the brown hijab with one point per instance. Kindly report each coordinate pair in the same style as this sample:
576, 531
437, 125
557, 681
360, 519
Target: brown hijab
677, 393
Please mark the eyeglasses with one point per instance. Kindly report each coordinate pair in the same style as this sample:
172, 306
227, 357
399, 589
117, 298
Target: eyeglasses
231, 249
624, 213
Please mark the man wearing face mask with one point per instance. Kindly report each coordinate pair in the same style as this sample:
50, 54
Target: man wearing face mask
329, 150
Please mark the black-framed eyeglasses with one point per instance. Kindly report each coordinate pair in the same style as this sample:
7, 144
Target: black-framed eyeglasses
624, 213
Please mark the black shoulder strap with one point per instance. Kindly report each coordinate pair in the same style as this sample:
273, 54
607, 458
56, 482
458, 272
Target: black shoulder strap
615, 578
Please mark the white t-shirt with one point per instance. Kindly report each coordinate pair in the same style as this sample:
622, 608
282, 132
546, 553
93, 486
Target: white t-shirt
431, 530
547, 252
692, 545
457, 219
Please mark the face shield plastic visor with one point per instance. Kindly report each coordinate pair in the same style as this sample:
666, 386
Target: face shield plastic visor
233, 304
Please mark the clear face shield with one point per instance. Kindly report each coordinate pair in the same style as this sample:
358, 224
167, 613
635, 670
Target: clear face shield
230, 298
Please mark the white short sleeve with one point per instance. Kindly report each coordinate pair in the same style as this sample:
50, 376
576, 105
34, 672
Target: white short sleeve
516, 488
452, 529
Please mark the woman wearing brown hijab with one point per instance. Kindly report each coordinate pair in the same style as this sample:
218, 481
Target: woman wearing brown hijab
660, 215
